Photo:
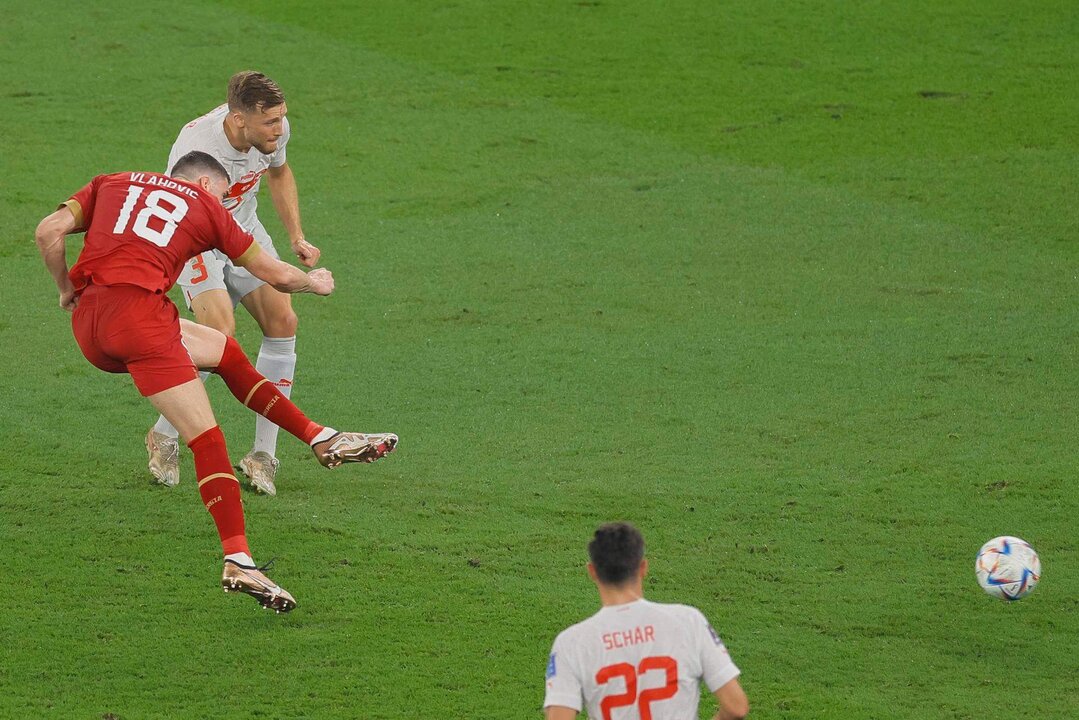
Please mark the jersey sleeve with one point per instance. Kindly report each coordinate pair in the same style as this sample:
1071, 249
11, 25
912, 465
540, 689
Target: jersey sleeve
278, 158
82, 202
563, 686
717, 668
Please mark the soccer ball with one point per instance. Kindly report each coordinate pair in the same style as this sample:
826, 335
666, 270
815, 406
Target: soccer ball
1007, 568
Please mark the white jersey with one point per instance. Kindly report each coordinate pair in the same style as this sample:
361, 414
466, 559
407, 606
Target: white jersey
638, 660
245, 169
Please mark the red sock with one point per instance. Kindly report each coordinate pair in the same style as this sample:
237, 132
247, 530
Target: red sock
219, 489
259, 394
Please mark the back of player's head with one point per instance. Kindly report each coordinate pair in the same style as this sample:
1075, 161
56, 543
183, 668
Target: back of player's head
616, 551
250, 91
196, 164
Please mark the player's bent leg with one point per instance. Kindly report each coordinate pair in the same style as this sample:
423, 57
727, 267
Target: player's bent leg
259, 394
330, 447
205, 344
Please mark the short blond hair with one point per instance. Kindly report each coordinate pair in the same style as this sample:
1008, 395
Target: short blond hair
250, 91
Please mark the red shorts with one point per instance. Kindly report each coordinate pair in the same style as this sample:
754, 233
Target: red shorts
123, 328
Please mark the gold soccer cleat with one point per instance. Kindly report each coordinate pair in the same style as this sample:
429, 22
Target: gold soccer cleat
164, 453
250, 580
346, 447
261, 469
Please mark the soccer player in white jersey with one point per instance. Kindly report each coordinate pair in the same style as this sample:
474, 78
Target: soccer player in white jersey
248, 136
635, 659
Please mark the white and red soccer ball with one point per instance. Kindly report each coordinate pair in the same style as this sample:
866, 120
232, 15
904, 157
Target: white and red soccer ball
1007, 568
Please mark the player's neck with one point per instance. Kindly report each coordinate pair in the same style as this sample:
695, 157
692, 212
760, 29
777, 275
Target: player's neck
234, 136
620, 594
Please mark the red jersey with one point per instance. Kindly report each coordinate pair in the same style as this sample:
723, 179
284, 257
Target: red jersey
142, 227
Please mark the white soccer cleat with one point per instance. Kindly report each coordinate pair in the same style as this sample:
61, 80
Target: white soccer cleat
250, 580
164, 452
346, 447
260, 467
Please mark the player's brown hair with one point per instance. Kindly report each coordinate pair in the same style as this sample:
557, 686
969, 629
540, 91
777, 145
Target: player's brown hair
616, 552
250, 91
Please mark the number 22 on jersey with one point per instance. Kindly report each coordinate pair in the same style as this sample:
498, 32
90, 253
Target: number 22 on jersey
168, 217
630, 674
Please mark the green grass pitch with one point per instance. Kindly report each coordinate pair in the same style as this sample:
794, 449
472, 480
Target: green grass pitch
790, 285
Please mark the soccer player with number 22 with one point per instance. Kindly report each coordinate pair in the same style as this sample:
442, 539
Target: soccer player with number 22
635, 659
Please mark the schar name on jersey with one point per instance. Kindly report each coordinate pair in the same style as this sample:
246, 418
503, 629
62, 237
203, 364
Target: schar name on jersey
625, 638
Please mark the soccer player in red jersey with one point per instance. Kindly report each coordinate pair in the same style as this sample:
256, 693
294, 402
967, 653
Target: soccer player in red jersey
140, 229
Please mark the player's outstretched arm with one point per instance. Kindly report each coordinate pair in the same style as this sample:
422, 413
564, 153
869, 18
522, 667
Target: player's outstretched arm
288, 278
286, 200
733, 703
558, 712
50, 243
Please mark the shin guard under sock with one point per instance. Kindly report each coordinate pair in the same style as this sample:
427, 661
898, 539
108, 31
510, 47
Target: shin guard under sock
219, 489
259, 394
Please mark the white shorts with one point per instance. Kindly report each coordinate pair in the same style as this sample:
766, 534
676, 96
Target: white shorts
212, 270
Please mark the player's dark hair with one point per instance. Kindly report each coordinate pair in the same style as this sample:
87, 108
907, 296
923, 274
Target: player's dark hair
616, 552
196, 164
250, 91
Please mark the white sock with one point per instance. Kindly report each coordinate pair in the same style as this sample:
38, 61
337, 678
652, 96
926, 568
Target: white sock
163, 426
325, 434
277, 362
242, 558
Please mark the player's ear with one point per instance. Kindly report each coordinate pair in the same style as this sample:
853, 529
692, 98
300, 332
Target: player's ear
592, 573
205, 183
643, 570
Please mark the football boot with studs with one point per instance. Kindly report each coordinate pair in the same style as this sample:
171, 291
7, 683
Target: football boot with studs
164, 453
250, 580
348, 447
260, 467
